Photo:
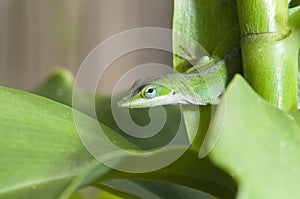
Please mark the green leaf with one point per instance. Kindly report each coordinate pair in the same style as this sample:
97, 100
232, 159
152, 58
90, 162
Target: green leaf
57, 86
188, 170
118, 191
258, 145
61, 81
41, 155
75, 196
156, 189
107, 195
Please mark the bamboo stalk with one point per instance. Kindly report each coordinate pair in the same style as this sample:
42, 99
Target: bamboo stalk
269, 51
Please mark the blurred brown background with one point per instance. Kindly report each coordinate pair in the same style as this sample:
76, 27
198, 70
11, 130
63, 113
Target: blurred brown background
39, 35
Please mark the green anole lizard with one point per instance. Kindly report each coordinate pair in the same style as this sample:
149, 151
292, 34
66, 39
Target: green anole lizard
202, 84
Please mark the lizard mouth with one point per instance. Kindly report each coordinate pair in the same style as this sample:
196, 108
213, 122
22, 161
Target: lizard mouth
123, 102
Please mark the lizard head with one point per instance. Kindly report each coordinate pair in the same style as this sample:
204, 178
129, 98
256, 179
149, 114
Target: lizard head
147, 93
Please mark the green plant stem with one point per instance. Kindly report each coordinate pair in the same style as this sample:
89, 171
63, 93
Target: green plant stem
263, 16
269, 51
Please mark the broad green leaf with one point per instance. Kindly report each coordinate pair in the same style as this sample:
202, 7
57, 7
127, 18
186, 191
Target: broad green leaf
156, 190
41, 155
107, 195
76, 196
295, 115
59, 86
188, 170
166, 190
258, 145
88, 192
120, 192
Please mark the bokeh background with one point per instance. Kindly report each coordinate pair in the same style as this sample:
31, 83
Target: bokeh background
37, 36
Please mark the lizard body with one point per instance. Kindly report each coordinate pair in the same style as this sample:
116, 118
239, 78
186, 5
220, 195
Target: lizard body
202, 84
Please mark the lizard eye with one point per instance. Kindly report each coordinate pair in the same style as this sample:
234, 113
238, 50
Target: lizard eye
149, 92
